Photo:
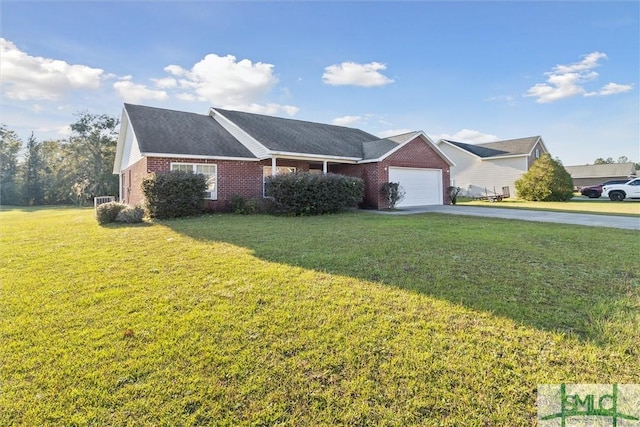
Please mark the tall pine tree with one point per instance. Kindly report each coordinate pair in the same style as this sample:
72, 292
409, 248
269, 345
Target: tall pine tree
33, 189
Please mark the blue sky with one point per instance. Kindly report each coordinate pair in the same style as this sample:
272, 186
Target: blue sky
470, 71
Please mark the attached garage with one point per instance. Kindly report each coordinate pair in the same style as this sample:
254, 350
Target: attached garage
422, 186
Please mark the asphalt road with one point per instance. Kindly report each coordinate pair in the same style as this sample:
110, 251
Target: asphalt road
610, 221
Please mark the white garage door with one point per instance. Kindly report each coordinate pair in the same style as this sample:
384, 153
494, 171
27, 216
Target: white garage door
421, 186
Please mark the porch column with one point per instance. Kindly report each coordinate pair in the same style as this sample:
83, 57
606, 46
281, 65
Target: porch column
273, 166
324, 167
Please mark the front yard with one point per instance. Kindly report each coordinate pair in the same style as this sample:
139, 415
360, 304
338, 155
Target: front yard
351, 319
578, 204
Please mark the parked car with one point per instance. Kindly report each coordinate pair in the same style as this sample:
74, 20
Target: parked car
619, 192
595, 191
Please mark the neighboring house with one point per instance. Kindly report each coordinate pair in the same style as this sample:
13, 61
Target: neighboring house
483, 169
237, 150
586, 175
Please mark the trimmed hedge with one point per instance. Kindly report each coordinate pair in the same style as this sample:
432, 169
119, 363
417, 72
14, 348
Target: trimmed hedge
314, 194
174, 194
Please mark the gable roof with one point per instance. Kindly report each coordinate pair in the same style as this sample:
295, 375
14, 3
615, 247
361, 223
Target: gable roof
506, 148
161, 131
238, 135
606, 170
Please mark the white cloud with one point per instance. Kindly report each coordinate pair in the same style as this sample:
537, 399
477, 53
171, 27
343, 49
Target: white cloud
26, 77
468, 136
165, 83
611, 89
590, 61
132, 92
351, 73
221, 80
346, 120
565, 81
225, 82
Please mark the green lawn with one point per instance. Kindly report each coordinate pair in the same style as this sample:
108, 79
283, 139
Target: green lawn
352, 319
579, 204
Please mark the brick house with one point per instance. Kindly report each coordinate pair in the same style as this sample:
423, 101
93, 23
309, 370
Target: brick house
237, 150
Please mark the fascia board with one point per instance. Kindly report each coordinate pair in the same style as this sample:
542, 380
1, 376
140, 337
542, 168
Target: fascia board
512, 156
124, 128
200, 157
316, 157
426, 139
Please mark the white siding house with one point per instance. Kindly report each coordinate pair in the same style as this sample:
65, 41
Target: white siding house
483, 169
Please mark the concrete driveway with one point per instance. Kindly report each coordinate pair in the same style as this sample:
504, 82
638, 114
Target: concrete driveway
611, 221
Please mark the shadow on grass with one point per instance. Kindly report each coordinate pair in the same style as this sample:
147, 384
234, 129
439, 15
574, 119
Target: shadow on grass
550, 276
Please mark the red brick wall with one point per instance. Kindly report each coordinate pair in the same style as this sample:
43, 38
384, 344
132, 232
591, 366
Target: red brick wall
419, 154
131, 179
416, 154
245, 177
369, 172
234, 177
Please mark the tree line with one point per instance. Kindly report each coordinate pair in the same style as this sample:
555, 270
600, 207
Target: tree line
66, 171
73, 170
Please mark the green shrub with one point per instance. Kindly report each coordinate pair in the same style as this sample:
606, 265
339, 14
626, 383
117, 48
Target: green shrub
546, 181
392, 193
130, 215
314, 194
174, 194
107, 212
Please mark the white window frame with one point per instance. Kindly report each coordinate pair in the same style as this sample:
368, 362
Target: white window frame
210, 194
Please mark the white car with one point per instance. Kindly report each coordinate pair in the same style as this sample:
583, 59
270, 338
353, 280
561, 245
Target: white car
619, 192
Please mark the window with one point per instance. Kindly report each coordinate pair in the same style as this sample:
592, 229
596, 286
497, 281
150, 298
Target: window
537, 153
208, 170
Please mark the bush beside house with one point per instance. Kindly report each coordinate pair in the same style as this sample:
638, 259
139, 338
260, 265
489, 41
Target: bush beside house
314, 194
118, 212
174, 194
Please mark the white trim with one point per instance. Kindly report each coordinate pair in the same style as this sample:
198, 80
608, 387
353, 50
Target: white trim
124, 124
252, 144
409, 139
315, 157
193, 167
199, 157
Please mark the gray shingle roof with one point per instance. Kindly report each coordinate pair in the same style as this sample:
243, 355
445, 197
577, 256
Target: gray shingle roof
297, 136
510, 147
175, 132
376, 149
